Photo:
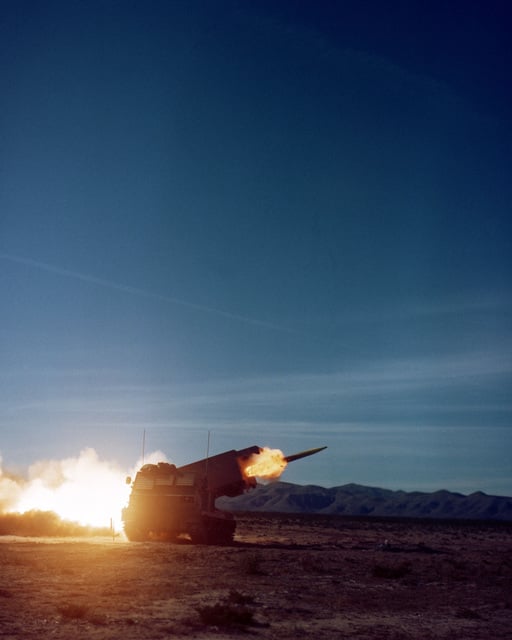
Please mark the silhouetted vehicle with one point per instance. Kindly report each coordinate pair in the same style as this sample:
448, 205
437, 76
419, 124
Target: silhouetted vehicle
167, 501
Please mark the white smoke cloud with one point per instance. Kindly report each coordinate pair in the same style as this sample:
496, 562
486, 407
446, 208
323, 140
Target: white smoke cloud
10, 489
83, 489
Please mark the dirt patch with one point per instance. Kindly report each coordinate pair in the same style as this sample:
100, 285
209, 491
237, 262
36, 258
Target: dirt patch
284, 577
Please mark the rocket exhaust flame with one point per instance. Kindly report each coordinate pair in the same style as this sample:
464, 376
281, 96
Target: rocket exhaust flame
268, 464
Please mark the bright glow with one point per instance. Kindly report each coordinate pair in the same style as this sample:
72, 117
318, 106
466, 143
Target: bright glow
83, 489
268, 464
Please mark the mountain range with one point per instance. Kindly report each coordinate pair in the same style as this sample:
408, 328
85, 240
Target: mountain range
358, 500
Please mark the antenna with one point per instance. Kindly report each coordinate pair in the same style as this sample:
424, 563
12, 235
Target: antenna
207, 496
143, 444
207, 456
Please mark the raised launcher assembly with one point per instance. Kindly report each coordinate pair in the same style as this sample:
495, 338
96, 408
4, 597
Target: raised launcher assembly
167, 501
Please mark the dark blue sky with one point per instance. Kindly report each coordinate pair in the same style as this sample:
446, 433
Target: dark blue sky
287, 223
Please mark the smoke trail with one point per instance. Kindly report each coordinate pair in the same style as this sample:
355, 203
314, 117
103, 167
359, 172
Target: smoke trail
141, 292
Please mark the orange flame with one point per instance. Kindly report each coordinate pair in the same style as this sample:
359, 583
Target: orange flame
268, 464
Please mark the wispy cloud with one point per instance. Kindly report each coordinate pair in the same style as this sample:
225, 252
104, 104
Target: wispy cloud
383, 376
469, 303
449, 384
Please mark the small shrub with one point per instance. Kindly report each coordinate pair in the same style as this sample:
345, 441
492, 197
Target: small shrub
77, 611
315, 564
252, 565
468, 614
73, 611
391, 573
97, 619
225, 615
235, 597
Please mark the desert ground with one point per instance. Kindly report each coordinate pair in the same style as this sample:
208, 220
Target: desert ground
284, 577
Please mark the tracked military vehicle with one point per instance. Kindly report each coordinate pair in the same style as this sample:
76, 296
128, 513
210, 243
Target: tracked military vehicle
168, 501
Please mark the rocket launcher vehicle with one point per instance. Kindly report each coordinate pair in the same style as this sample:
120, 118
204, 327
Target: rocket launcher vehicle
167, 501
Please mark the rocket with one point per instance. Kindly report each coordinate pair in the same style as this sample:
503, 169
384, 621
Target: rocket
303, 454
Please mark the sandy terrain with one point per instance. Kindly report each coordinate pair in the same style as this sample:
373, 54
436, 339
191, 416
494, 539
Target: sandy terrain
285, 577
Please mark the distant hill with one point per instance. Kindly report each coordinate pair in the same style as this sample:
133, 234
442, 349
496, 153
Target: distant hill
357, 500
